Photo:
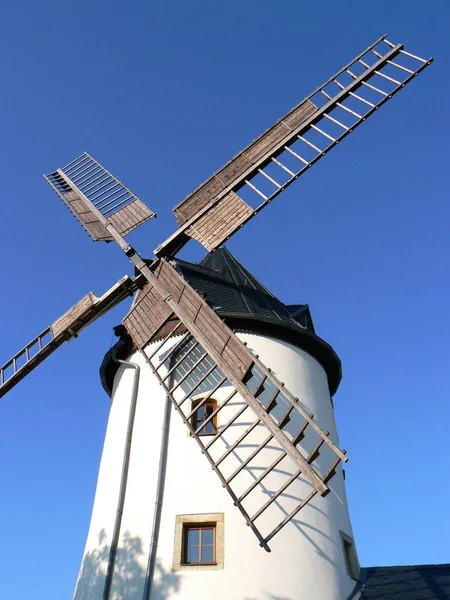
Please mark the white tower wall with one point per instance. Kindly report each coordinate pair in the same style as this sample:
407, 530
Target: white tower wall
307, 558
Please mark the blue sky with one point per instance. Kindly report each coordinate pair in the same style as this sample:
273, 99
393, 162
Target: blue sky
163, 94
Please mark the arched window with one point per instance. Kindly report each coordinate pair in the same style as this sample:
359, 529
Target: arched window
202, 419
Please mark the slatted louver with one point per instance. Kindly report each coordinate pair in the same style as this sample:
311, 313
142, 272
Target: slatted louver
253, 178
97, 198
259, 451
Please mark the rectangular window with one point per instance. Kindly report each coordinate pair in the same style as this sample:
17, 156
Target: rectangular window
199, 544
202, 418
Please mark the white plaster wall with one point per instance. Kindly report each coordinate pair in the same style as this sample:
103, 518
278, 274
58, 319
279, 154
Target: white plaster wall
306, 561
131, 561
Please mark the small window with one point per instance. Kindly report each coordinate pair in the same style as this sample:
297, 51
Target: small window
351, 558
199, 544
202, 417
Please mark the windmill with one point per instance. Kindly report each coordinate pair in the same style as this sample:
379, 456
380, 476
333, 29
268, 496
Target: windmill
182, 338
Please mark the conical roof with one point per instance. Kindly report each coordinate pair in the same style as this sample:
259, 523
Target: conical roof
233, 291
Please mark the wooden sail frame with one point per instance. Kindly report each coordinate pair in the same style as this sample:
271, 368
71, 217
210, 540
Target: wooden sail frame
172, 315
87, 188
218, 208
66, 327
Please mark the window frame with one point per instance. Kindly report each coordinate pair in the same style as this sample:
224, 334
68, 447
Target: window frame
198, 520
350, 556
194, 419
200, 527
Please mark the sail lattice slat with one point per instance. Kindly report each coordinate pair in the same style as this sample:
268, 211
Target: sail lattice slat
258, 174
94, 195
257, 421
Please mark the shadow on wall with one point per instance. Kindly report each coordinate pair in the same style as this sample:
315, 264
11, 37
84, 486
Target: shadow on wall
129, 574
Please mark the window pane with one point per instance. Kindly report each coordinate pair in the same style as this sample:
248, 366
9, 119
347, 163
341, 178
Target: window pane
193, 537
208, 428
207, 537
207, 554
200, 416
193, 554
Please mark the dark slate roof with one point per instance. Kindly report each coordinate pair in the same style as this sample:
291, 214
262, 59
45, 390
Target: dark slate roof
232, 290
420, 582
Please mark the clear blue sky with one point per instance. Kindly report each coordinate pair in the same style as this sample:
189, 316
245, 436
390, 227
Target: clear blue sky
163, 93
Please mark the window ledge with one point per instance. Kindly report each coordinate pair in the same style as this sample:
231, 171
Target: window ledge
214, 564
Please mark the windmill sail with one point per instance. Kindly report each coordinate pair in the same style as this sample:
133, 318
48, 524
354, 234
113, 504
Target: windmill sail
108, 210
191, 345
96, 198
81, 314
260, 172
183, 340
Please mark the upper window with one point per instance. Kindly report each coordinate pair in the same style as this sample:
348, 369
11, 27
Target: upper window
199, 544
203, 418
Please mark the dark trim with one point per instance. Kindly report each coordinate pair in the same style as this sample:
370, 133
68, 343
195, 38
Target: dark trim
121, 350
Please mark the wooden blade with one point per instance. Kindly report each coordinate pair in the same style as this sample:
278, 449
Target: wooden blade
91, 192
260, 172
190, 349
79, 316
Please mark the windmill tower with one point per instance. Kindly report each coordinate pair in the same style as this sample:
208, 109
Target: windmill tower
249, 378
176, 512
